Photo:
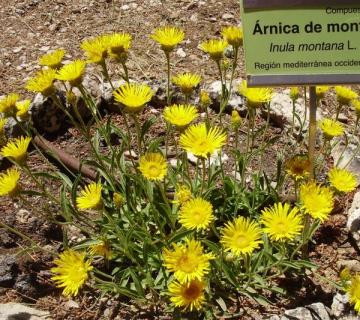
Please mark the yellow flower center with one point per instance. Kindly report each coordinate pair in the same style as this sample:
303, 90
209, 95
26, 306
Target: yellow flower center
187, 263
192, 292
241, 241
154, 170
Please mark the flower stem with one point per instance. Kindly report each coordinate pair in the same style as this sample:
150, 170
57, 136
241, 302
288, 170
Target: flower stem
168, 77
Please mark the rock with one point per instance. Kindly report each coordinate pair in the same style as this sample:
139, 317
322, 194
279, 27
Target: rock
281, 111
71, 304
344, 155
315, 311
17, 49
339, 305
8, 270
227, 16
235, 101
352, 265
12, 311
181, 53
353, 222
214, 159
130, 154
45, 114
13, 129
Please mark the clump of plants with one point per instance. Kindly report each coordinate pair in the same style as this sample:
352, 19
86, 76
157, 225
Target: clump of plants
197, 236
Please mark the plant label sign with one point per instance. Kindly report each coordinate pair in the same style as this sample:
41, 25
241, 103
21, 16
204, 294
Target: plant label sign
301, 42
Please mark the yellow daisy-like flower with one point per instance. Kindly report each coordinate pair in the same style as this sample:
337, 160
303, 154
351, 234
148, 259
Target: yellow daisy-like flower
2, 126
96, 49
43, 82
342, 180
196, 214
320, 91
118, 199
188, 261
354, 292
9, 182
133, 96
241, 237
205, 99
90, 197
188, 295
202, 142
153, 166
331, 128
118, 45
168, 37
344, 95
281, 223
214, 47
16, 149
233, 35
187, 82
235, 120
8, 103
294, 93
298, 167
180, 115
71, 271
317, 201
255, 97
23, 109
72, 72
101, 248
182, 194
52, 60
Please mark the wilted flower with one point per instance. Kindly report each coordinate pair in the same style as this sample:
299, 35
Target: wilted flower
298, 167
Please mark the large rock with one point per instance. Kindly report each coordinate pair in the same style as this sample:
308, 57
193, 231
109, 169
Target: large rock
315, 311
8, 270
353, 222
17, 311
347, 155
341, 309
281, 111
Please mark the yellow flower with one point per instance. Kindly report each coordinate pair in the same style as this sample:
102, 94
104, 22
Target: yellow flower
255, 97
153, 166
187, 82
168, 37
8, 104
72, 72
196, 214
342, 180
354, 292
180, 115
133, 96
202, 142
9, 182
214, 47
205, 100
317, 201
280, 223
241, 237
118, 45
331, 128
53, 59
188, 261
23, 109
298, 167
294, 93
236, 120
43, 82
320, 91
233, 35
16, 149
71, 271
182, 194
2, 126
118, 199
344, 95
96, 49
90, 197
189, 295
356, 105
101, 248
